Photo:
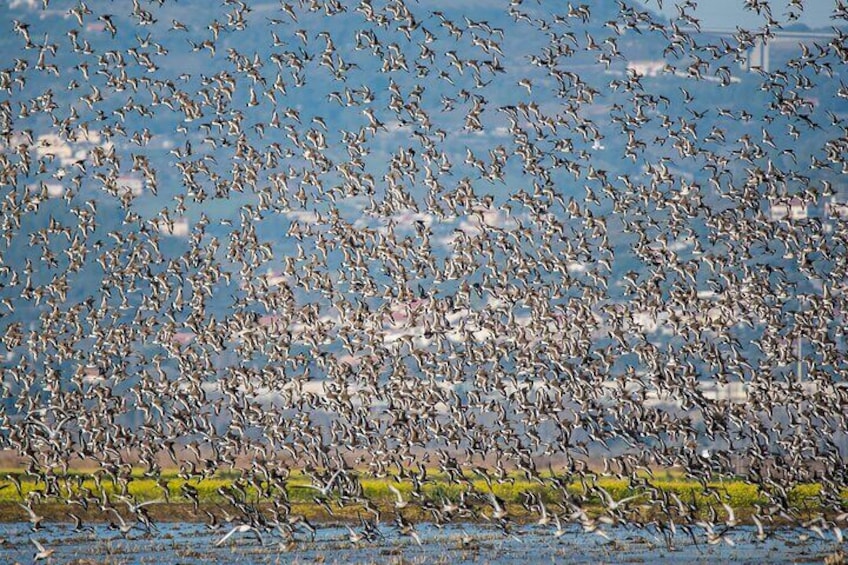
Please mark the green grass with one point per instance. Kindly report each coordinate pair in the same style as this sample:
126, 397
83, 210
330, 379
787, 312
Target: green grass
738, 494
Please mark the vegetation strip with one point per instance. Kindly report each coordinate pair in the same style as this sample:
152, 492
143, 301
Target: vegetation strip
743, 497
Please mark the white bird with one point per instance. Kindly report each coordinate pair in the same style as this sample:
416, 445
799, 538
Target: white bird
400, 502
558, 532
34, 518
40, 551
323, 489
354, 536
761, 534
122, 525
133, 507
613, 504
240, 529
731, 520
498, 510
544, 519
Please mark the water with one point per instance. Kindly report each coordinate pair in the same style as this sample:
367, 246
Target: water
190, 544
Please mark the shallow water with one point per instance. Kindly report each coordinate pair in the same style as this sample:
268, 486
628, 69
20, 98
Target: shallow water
191, 544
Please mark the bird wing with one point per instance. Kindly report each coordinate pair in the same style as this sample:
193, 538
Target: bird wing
226, 537
397, 493
37, 545
332, 479
119, 517
628, 499
29, 511
759, 524
258, 535
313, 487
495, 504
731, 517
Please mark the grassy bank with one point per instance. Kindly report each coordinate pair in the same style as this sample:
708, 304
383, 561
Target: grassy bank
742, 496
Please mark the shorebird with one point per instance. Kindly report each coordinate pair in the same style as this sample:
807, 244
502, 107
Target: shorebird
240, 529
761, 534
406, 528
40, 551
355, 537
613, 504
323, 489
34, 519
122, 526
400, 503
558, 531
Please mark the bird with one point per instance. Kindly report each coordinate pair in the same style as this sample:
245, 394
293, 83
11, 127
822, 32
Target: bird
558, 530
122, 526
355, 537
326, 488
761, 534
240, 529
400, 503
498, 508
40, 551
406, 528
34, 519
613, 504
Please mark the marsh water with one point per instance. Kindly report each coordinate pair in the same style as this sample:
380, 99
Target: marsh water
189, 544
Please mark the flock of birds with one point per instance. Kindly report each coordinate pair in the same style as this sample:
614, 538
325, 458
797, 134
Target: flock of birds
421, 241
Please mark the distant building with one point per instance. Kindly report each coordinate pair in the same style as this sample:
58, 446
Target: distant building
133, 185
91, 374
795, 209
31, 4
273, 278
48, 189
85, 135
182, 338
648, 68
15, 138
647, 321
175, 228
838, 210
778, 211
52, 144
798, 209
54, 189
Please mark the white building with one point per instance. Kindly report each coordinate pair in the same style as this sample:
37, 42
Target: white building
648, 68
133, 185
795, 209
176, 228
